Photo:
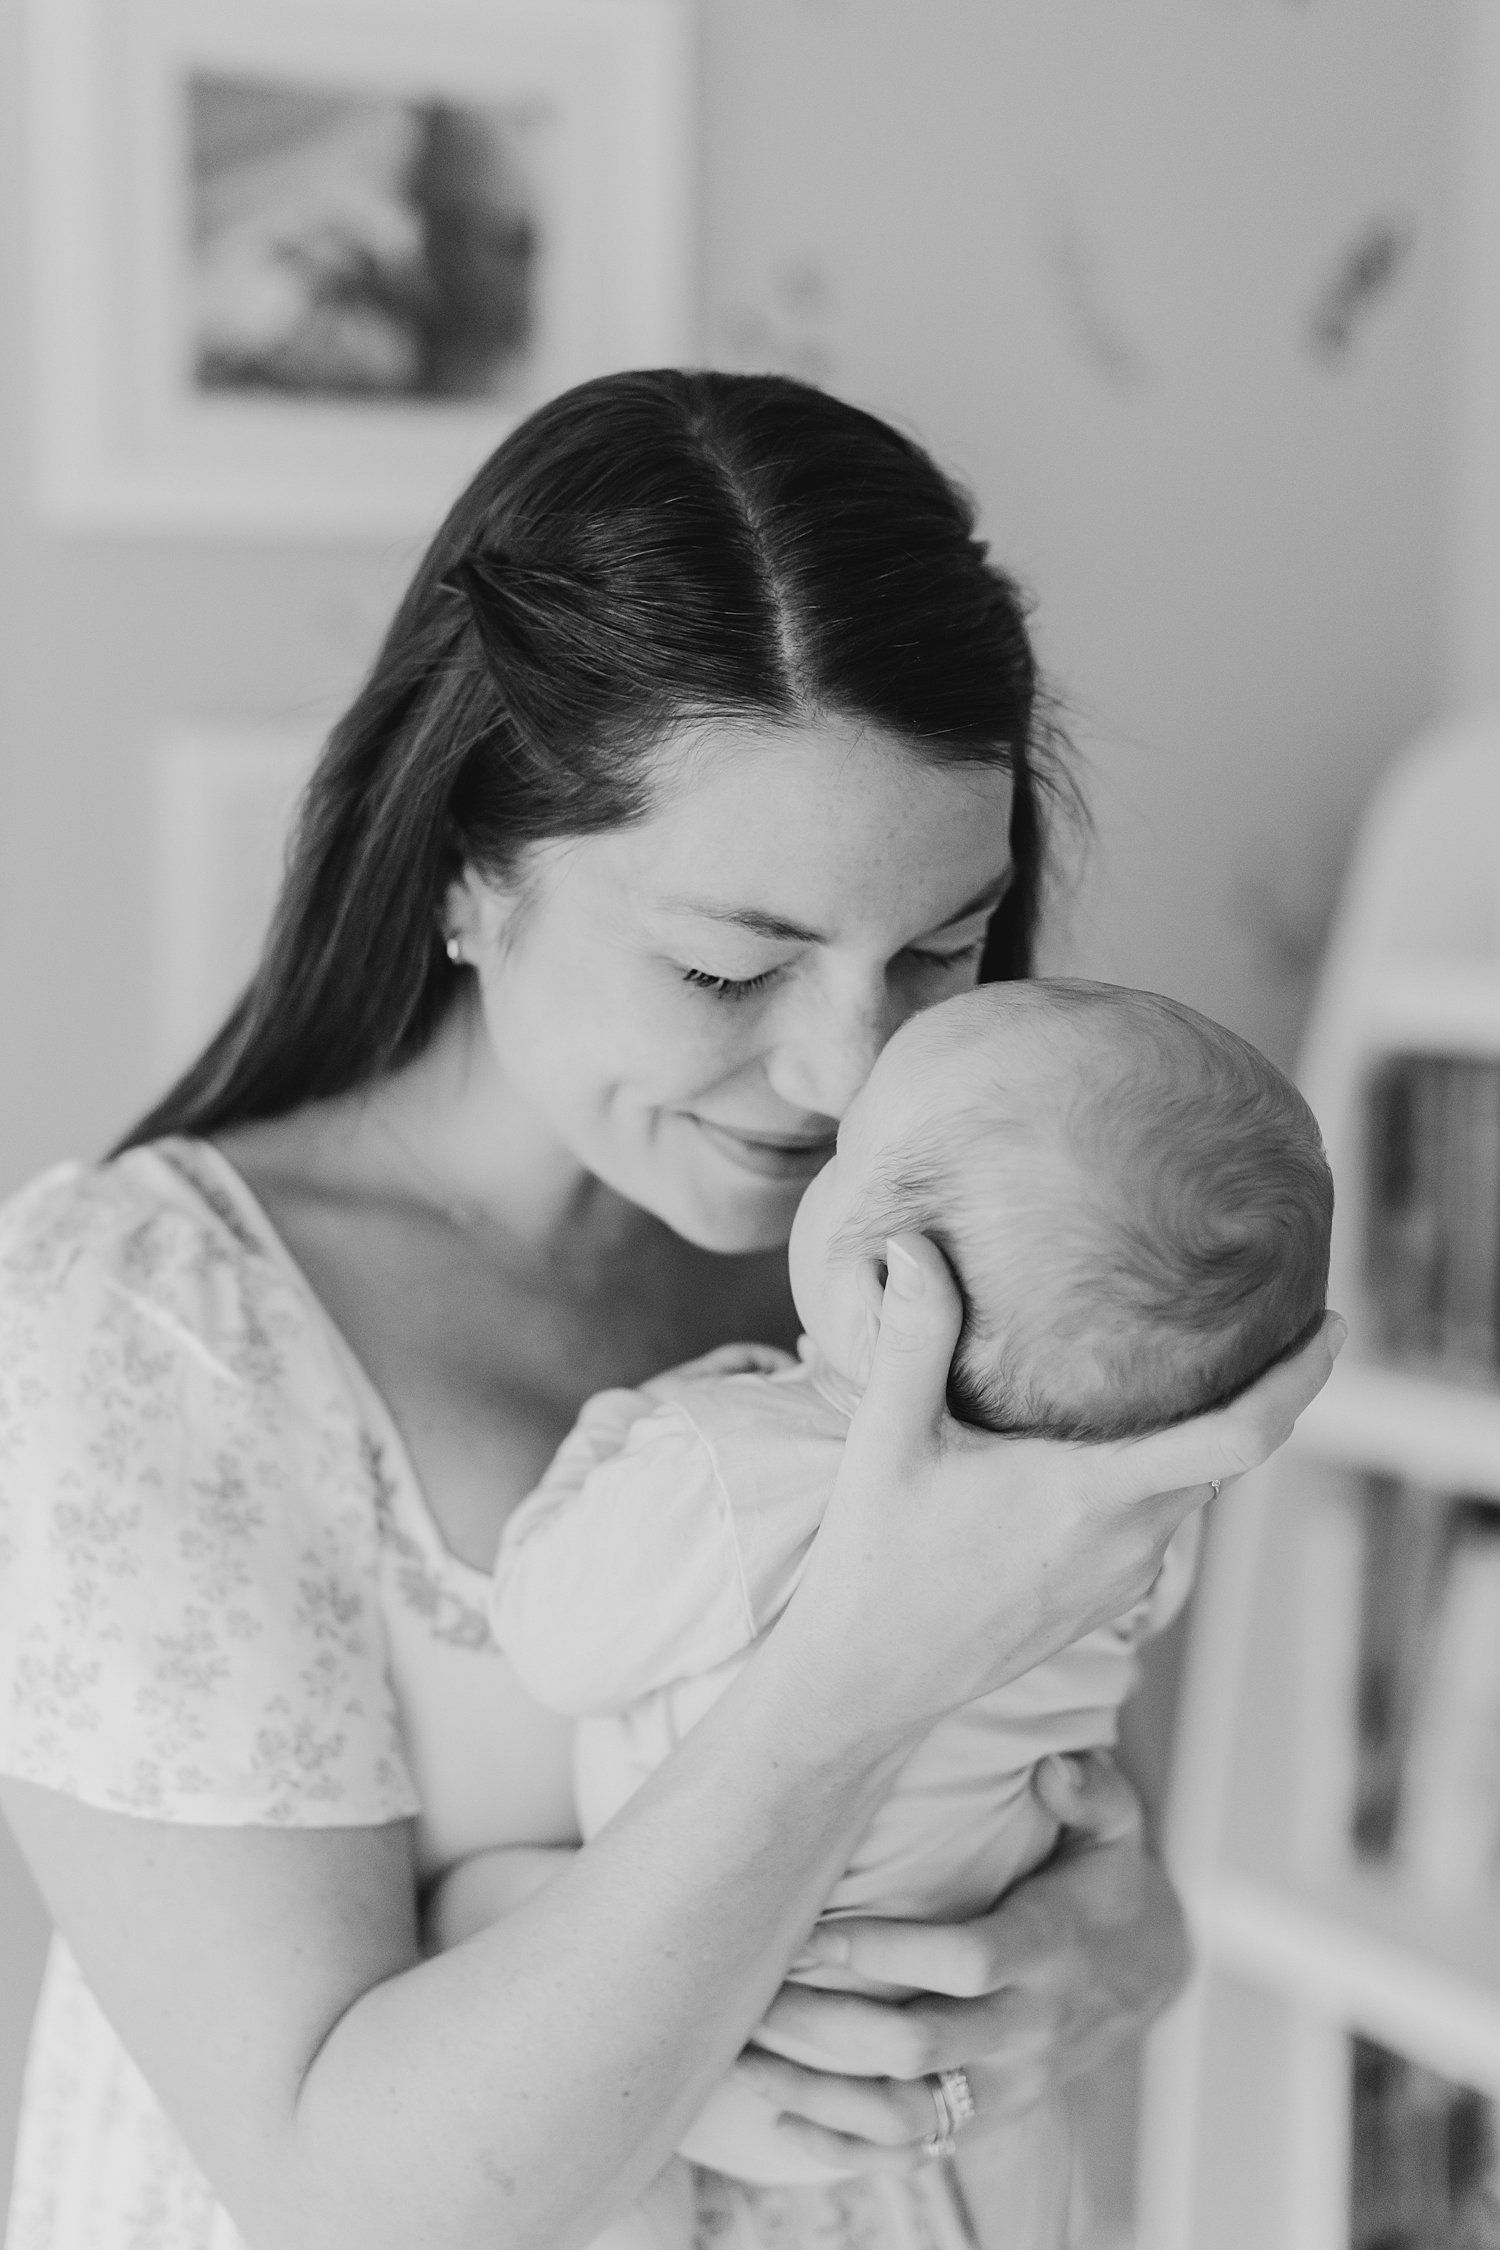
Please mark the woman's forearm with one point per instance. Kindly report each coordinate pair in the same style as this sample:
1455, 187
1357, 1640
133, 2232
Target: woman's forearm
485, 1887
524, 2086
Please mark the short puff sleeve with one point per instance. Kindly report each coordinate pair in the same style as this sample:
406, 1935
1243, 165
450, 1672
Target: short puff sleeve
189, 1544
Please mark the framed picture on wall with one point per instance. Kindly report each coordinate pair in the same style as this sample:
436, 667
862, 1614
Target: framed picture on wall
299, 264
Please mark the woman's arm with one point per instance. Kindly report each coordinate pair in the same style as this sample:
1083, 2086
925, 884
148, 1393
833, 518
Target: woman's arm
1074, 1961
338, 2089
484, 1888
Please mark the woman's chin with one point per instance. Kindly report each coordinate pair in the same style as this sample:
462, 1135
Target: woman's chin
734, 1225
730, 1233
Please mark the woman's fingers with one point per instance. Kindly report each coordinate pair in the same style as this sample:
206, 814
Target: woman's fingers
920, 1319
849, 2035
842, 2153
1233, 1438
955, 1958
889, 2112
1025, 1945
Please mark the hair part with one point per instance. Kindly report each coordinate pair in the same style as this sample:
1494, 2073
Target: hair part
647, 551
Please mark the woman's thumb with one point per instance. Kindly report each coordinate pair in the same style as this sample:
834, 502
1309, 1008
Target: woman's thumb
920, 1318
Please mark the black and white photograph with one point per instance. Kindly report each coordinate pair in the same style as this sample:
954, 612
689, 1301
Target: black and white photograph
750, 1125
348, 246
297, 268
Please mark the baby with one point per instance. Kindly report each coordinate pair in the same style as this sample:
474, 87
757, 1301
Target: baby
1136, 1208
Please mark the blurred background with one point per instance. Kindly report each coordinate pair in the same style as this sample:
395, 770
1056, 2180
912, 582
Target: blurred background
1191, 293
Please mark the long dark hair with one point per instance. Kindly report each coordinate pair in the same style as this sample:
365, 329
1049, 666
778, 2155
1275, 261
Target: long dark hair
646, 549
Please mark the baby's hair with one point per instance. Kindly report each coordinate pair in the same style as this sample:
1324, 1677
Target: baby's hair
1137, 1233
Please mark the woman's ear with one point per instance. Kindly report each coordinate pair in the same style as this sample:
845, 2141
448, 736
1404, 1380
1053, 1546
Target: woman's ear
479, 913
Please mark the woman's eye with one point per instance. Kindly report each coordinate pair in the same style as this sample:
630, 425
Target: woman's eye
958, 960
727, 988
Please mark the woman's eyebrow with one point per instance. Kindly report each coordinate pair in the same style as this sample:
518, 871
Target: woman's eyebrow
745, 918
797, 933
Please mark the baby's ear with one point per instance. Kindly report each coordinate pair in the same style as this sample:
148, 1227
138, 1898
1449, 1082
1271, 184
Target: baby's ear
869, 1282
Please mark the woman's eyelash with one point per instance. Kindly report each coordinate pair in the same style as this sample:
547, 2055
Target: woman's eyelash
727, 988
951, 960
740, 988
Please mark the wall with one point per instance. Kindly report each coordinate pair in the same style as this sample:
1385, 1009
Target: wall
1164, 282
1083, 247
1471, 608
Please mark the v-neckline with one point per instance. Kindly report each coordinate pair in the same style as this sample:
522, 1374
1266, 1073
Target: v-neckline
253, 1215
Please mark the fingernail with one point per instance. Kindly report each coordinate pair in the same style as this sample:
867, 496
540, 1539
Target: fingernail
1338, 1335
824, 1949
902, 1273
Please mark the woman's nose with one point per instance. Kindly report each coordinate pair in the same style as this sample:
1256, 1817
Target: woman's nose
824, 1053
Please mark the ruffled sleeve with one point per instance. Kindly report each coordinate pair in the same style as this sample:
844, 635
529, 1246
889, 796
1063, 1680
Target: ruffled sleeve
189, 1548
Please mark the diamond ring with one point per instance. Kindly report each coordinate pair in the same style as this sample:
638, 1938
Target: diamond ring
953, 2102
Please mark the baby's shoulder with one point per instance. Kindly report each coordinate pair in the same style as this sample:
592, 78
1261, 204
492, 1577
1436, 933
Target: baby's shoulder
782, 1403
761, 1430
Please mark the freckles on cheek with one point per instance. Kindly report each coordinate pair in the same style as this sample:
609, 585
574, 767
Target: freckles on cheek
674, 1042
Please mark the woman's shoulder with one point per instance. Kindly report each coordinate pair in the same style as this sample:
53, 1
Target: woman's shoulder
162, 1228
190, 1608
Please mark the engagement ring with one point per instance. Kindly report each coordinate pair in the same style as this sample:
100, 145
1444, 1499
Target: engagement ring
953, 2101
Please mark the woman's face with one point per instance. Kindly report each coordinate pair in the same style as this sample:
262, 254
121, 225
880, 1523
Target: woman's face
689, 1004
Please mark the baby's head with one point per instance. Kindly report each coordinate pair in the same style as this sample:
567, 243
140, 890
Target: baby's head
1135, 1204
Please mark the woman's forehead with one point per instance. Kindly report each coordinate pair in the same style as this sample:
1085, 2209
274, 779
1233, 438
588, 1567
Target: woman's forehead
798, 831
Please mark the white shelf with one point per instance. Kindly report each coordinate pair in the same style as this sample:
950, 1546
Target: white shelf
1397, 1424
1246, 2112
1437, 1006
1328, 1952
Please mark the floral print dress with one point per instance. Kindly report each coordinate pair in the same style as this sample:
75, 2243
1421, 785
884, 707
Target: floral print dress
209, 1543
223, 1601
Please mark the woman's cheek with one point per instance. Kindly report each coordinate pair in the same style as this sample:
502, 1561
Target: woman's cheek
686, 1042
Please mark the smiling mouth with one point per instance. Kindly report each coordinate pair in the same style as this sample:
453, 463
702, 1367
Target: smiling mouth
768, 1155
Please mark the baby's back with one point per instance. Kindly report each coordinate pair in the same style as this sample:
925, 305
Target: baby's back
742, 1468
664, 1542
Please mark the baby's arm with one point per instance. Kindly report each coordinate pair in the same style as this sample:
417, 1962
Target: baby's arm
620, 1572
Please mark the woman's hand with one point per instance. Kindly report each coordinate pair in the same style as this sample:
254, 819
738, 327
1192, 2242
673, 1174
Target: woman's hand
1073, 1961
950, 1560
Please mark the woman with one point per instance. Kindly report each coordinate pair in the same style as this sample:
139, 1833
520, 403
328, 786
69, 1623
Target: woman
703, 750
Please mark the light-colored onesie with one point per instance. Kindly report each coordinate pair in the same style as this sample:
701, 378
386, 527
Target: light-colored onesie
666, 1537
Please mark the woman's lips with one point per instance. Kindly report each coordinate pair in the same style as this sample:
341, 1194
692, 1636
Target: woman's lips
763, 1154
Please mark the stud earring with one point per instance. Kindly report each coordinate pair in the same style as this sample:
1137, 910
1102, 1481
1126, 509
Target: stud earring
454, 948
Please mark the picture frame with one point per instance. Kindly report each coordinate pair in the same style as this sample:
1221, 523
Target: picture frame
299, 265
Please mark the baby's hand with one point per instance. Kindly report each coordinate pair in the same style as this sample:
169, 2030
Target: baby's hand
726, 1359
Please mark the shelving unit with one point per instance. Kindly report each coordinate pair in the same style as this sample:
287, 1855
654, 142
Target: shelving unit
1303, 1946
